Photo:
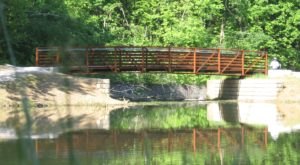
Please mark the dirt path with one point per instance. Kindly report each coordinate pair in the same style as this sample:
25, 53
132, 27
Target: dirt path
288, 102
291, 90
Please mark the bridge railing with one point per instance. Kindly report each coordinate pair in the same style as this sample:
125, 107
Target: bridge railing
168, 59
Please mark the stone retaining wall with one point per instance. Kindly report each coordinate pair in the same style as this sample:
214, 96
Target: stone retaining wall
246, 89
103, 85
157, 92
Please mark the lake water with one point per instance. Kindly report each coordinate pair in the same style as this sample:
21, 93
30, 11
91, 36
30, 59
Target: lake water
162, 133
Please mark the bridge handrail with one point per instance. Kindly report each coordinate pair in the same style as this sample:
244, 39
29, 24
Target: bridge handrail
195, 60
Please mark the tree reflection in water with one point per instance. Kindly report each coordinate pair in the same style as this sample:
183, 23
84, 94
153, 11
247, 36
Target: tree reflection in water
211, 146
165, 134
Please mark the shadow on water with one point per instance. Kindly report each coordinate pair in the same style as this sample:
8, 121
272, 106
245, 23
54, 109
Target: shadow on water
229, 91
50, 122
230, 112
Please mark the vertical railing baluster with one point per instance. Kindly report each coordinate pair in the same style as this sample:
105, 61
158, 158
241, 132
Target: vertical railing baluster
37, 147
56, 147
58, 54
199, 57
170, 61
37, 56
194, 140
170, 141
243, 136
115, 59
266, 137
120, 59
219, 137
143, 60
219, 61
266, 63
146, 59
87, 59
195, 64
243, 62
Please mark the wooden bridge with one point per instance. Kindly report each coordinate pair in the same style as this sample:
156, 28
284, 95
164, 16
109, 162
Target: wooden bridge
145, 59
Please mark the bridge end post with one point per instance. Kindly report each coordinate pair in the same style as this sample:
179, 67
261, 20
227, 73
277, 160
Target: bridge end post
219, 60
36, 56
266, 63
243, 63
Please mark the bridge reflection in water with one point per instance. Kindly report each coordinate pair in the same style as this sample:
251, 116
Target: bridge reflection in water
221, 143
48, 122
196, 140
259, 113
165, 59
97, 139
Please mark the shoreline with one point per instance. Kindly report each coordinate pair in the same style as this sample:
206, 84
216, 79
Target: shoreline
45, 87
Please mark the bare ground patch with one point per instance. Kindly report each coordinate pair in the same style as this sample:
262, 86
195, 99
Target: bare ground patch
53, 89
288, 101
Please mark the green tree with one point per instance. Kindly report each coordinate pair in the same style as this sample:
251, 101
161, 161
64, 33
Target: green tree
250, 24
280, 20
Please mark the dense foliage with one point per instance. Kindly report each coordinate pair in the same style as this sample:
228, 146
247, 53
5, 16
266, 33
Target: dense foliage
248, 24
156, 78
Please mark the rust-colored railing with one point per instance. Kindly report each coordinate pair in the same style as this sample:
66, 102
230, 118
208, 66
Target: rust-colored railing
199, 140
217, 138
168, 59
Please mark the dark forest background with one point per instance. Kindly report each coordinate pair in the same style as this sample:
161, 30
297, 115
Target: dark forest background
271, 25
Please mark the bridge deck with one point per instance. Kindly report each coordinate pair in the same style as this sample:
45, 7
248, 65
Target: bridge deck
144, 59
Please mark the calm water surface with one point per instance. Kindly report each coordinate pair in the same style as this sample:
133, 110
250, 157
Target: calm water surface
172, 133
